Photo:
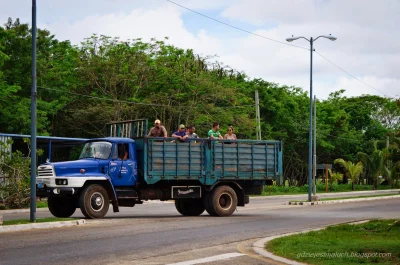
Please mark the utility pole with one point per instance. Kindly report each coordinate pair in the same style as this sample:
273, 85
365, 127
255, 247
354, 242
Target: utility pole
326, 177
258, 116
315, 148
33, 118
389, 162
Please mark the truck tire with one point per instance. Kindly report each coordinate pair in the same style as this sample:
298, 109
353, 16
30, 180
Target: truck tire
190, 207
207, 204
61, 207
94, 201
178, 206
224, 201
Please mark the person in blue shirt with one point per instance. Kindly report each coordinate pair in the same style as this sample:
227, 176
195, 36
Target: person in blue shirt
180, 133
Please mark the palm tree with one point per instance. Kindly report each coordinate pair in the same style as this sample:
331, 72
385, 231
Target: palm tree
392, 175
374, 162
335, 176
352, 170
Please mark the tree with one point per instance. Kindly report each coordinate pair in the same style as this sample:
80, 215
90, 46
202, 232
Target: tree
352, 170
374, 163
334, 178
15, 73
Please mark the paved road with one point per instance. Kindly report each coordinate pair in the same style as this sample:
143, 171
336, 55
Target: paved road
272, 201
156, 234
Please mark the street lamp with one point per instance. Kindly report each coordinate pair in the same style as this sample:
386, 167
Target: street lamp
311, 41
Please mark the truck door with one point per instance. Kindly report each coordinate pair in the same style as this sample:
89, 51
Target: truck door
121, 166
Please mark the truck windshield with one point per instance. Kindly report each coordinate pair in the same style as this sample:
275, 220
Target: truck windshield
101, 150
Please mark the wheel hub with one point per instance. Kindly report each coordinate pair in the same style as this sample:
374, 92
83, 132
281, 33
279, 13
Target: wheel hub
97, 201
225, 201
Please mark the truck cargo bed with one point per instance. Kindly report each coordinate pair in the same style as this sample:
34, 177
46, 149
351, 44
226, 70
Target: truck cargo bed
208, 160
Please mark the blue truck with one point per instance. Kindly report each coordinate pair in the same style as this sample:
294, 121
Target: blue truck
126, 168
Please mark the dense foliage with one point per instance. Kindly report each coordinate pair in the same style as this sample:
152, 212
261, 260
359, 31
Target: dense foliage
81, 88
14, 176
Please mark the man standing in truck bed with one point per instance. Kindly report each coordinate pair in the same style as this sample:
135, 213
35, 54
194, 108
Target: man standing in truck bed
158, 130
214, 132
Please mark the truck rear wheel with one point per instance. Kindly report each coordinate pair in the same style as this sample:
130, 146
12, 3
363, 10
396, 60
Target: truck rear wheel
62, 207
208, 204
190, 207
223, 201
94, 201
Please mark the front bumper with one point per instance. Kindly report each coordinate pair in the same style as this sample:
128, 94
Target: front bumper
55, 192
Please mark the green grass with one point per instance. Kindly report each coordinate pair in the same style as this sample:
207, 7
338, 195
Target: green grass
351, 197
293, 190
350, 243
39, 220
41, 204
357, 197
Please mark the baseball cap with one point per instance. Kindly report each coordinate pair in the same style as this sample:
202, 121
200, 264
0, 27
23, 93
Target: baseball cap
181, 126
157, 121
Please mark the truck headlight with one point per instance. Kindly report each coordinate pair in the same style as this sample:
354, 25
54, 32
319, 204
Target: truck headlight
61, 182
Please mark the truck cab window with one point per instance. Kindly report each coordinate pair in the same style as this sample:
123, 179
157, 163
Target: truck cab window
121, 152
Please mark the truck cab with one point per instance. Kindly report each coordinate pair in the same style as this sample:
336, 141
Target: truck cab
104, 166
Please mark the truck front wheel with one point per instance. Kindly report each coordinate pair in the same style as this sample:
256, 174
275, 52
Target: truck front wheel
190, 207
94, 201
61, 207
223, 201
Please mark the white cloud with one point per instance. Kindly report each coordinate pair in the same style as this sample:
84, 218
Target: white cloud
366, 45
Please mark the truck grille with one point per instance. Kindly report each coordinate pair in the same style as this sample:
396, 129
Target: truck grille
45, 171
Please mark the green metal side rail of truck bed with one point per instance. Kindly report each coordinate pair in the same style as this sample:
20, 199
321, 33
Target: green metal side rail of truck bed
208, 161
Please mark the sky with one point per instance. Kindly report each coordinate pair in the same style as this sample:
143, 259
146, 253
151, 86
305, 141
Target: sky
366, 46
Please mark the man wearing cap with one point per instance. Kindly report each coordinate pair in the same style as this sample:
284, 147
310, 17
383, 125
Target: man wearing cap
180, 133
158, 130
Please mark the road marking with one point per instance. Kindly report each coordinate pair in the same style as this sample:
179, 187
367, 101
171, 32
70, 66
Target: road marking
209, 259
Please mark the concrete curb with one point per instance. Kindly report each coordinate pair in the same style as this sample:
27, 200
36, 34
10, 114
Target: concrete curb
330, 193
24, 227
259, 246
343, 201
23, 210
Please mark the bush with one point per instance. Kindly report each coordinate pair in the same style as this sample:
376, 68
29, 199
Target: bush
15, 171
321, 187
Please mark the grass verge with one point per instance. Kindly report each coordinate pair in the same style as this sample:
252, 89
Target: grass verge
294, 190
41, 204
39, 220
352, 197
375, 242
358, 197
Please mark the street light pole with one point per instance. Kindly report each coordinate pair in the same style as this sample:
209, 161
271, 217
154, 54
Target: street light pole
33, 118
315, 149
310, 160
310, 139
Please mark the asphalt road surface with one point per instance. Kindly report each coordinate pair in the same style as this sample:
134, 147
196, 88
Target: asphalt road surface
270, 201
156, 234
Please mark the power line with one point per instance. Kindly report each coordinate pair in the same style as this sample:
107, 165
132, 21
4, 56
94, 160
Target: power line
352, 75
339, 137
105, 99
136, 103
229, 25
